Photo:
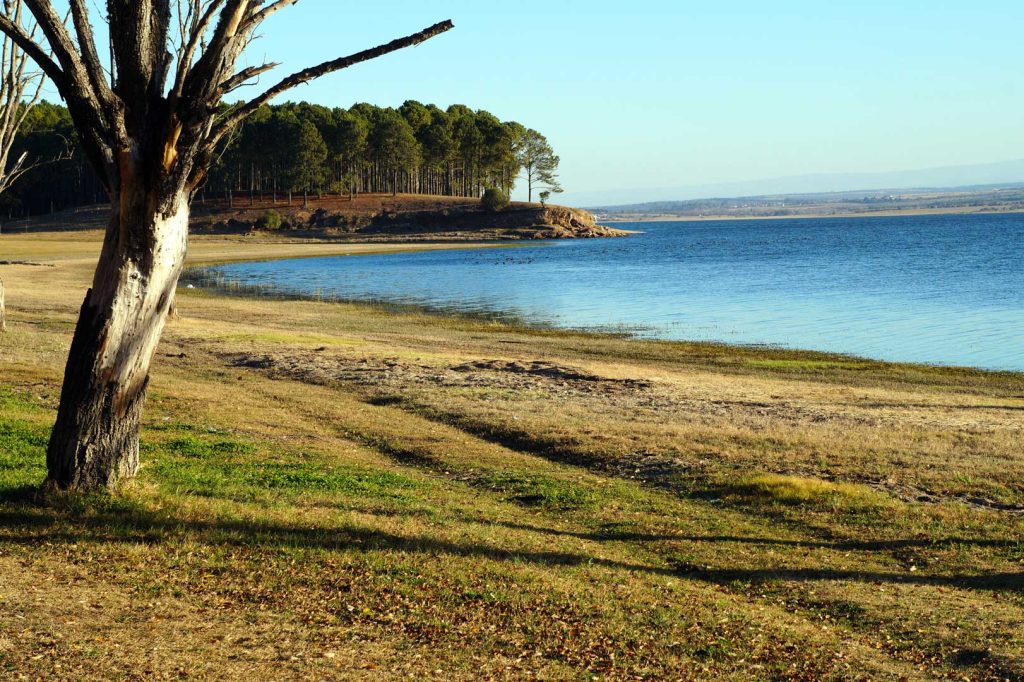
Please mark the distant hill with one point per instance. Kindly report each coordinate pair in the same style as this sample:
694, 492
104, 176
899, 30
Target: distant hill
888, 201
988, 175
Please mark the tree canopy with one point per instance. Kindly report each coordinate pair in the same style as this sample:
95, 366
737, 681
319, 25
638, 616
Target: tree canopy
414, 148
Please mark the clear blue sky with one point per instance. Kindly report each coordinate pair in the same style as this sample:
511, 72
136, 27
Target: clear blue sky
672, 93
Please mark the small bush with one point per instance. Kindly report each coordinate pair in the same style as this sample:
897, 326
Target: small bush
271, 220
495, 200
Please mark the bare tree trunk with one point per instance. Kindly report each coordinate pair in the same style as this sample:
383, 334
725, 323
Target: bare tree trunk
151, 131
95, 442
3, 309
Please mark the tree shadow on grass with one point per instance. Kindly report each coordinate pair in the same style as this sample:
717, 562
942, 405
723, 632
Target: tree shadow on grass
613, 535
20, 495
125, 522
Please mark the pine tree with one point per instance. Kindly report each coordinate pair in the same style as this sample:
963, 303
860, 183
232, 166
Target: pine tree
539, 163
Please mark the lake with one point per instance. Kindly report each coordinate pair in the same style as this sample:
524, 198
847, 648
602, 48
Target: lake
930, 289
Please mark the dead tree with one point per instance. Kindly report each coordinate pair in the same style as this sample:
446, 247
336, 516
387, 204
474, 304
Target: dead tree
21, 88
151, 131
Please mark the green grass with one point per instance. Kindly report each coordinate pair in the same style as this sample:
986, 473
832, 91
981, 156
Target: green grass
24, 433
229, 468
22, 454
190, 446
181, 460
541, 491
796, 490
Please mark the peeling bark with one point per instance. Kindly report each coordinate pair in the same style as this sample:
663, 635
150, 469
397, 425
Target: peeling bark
95, 440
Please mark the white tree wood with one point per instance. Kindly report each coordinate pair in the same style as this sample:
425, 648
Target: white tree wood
151, 136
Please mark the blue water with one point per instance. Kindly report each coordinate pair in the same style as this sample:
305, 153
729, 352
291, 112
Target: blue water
933, 289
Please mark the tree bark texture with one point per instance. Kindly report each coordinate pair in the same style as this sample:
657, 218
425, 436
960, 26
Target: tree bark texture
95, 440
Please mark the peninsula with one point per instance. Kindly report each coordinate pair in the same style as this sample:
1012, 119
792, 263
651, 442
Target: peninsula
364, 218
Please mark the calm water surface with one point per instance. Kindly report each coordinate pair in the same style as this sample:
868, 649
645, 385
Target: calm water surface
934, 289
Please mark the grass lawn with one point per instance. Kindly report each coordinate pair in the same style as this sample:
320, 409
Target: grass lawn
334, 491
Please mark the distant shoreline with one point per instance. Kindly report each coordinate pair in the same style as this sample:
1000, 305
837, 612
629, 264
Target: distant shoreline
664, 218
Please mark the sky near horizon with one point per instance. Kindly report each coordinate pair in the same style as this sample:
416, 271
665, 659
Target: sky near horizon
661, 93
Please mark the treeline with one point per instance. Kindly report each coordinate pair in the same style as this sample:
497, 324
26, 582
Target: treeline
307, 148
49, 134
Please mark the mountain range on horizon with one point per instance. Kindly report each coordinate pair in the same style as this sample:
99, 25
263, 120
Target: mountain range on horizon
946, 178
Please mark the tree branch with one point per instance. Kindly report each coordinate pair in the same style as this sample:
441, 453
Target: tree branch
314, 72
21, 166
261, 16
40, 80
75, 84
87, 44
195, 39
140, 51
244, 75
201, 81
33, 50
57, 36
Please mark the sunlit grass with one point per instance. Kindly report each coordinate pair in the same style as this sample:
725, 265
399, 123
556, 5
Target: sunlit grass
796, 490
